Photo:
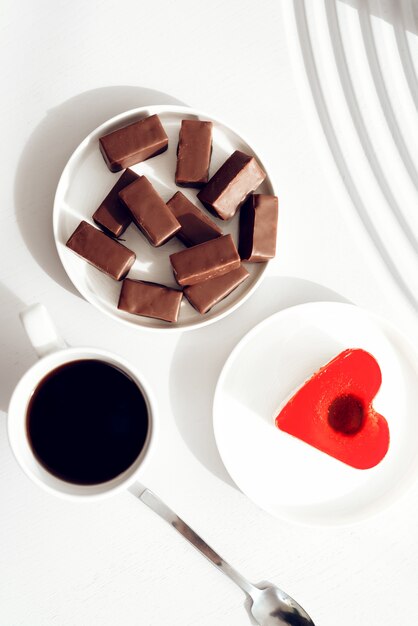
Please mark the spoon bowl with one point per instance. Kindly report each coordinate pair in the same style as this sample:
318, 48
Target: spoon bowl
273, 607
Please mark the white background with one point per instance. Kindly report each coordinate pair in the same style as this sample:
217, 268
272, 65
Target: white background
326, 91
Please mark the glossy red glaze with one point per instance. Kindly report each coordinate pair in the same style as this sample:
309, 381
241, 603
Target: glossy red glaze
333, 411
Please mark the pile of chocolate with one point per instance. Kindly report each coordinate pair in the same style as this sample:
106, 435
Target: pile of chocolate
210, 268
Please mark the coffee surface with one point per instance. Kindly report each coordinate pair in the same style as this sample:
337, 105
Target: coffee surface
87, 422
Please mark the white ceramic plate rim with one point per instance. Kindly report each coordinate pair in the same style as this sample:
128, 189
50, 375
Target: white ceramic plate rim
102, 129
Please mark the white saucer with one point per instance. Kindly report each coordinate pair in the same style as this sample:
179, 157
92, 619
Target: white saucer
86, 180
282, 474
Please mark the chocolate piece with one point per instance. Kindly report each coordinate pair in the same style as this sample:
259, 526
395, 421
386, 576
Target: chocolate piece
239, 176
193, 153
258, 228
196, 227
149, 211
203, 296
112, 216
133, 143
108, 255
207, 260
150, 299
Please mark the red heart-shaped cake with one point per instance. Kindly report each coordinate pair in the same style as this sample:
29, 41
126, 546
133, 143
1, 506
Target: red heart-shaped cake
333, 411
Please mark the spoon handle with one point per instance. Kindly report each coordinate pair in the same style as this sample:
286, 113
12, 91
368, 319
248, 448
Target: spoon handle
158, 506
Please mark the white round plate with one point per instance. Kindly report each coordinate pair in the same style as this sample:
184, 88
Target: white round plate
281, 473
86, 180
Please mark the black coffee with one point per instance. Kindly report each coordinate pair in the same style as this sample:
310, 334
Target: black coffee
87, 422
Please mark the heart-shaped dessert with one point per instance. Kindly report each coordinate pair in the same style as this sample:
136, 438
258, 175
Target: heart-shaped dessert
333, 411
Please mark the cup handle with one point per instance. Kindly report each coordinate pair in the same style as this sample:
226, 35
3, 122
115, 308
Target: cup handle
41, 330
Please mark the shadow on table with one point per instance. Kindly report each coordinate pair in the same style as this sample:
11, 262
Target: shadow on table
16, 353
48, 150
392, 12
198, 360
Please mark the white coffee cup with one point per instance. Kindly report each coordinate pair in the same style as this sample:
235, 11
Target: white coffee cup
53, 352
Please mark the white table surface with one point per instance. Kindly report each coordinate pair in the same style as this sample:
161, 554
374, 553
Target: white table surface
327, 92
